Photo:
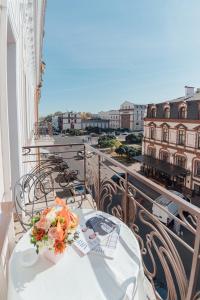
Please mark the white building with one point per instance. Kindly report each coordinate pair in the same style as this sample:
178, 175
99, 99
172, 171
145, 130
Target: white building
21, 37
55, 122
71, 120
98, 123
132, 115
113, 116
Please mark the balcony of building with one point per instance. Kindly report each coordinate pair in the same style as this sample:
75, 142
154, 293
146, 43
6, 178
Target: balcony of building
86, 178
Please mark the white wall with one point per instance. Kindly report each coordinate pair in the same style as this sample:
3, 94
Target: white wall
21, 35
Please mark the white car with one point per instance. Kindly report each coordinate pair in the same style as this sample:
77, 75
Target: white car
169, 205
80, 154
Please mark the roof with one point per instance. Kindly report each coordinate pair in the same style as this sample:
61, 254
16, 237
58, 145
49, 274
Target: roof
194, 97
162, 166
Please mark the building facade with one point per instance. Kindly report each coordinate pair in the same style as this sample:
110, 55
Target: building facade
57, 122
172, 136
113, 116
21, 39
71, 120
99, 123
132, 116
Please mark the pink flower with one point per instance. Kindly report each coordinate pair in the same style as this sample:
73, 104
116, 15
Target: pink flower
42, 224
54, 233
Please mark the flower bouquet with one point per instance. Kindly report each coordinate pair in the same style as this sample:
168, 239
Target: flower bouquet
54, 229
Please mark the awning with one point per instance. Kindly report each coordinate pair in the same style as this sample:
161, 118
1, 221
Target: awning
162, 166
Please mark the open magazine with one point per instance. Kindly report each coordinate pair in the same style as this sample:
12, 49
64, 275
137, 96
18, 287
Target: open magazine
93, 229
108, 246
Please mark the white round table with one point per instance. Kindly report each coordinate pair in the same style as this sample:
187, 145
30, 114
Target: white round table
75, 277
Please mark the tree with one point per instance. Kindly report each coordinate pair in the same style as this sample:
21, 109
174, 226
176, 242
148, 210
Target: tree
58, 113
107, 141
120, 150
86, 115
48, 118
133, 139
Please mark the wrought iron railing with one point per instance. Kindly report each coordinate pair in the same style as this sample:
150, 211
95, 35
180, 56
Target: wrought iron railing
43, 129
171, 252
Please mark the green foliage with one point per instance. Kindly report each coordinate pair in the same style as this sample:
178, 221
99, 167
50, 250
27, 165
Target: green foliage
74, 132
134, 139
128, 151
107, 141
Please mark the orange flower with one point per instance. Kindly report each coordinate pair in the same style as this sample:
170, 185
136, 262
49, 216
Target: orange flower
73, 220
38, 233
64, 214
60, 201
46, 211
59, 247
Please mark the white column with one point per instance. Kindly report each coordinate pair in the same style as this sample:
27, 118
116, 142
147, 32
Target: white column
5, 148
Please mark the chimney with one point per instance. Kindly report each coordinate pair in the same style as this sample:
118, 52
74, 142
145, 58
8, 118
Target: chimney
189, 91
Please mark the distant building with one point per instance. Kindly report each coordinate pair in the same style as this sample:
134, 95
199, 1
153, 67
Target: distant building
57, 122
113, 116
132, 115
171, 145
100, 123
71, 120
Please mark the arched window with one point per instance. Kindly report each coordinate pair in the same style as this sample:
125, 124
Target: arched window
165, 134
153, 112
182, 112
197, 168
151, 152
180, 161
181, 136
164, 155
167, 112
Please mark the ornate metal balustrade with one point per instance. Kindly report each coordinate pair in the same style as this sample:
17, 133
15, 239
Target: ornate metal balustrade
170, 253
43, 129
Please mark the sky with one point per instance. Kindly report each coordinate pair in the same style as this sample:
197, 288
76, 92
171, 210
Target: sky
100, 53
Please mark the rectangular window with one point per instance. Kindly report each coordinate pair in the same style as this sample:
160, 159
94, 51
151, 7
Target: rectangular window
152, 133
165, 135
181, 137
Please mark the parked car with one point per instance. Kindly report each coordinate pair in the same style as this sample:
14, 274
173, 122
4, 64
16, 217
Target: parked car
116, 178
169, 205
93, 134
80, 154
78, 188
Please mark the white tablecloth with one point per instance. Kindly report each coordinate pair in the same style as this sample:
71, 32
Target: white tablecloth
75, 277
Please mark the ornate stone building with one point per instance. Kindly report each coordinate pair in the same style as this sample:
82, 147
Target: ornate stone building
171, 145
132, 115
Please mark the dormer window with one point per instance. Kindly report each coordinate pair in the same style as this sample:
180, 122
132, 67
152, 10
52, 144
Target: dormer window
166, 112
182, 112
153, 112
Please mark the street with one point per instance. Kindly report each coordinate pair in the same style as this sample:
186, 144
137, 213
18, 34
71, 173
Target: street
76, 164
